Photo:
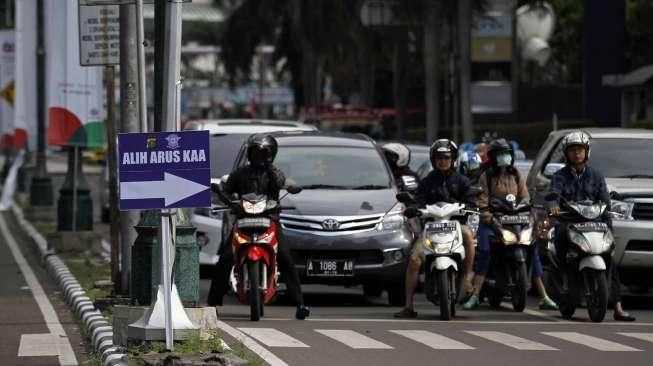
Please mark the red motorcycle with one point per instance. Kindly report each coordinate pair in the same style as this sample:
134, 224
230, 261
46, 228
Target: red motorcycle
254, 244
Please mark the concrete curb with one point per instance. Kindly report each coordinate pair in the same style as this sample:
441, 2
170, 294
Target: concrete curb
97, 327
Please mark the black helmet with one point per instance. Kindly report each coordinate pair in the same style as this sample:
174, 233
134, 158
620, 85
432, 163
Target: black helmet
444, 147
261, 149
497, 147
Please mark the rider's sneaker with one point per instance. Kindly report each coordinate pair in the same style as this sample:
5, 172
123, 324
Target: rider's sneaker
472, 303
302, 312
547, 304
406, 313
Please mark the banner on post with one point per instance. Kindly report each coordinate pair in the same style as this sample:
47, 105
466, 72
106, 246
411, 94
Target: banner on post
25, 114
75, 99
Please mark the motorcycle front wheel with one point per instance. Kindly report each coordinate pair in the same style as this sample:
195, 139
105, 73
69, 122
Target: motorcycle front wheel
255, 298
444, 293
597, 294
520, 287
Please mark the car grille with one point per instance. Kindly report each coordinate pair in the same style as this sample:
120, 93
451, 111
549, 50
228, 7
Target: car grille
643, 211
371, 256
640, 245
316, 225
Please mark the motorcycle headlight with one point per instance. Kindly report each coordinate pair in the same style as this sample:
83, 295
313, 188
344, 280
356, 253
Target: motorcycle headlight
591, 212
394, 220
442, 248
241, 238
580, 240
508, 237
254, 208
621, 210
526, 236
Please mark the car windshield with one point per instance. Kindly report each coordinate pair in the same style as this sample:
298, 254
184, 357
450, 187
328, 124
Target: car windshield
623, 158
333, 167
224, 149
417, 159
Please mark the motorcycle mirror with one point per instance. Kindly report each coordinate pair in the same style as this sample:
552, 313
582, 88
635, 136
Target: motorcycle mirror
404, 197
293, 189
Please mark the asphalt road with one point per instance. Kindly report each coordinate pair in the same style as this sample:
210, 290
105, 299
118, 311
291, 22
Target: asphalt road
36, 327
347, 328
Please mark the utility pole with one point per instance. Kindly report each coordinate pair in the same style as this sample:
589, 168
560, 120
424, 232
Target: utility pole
41, 193
129, 122
110, 80
464, 67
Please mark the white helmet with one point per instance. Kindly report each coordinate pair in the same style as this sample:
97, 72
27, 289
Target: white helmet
397, 154
577, 138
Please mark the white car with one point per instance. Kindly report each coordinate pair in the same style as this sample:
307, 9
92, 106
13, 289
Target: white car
227, 137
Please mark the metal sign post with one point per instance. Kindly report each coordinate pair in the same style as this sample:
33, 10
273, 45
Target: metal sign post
164, 170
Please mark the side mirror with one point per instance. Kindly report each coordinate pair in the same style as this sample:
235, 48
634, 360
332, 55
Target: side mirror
552, 168
293, 189
409, 182
404, 197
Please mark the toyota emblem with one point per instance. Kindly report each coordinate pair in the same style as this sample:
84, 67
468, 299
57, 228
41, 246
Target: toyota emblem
331, 225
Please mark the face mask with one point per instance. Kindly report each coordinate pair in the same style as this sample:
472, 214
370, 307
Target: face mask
504, 160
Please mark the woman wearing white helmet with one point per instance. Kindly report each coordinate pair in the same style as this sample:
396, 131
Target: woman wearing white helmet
398, 157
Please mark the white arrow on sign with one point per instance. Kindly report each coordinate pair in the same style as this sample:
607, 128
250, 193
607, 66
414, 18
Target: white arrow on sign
172, 189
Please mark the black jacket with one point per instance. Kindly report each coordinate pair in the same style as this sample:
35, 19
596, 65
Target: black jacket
589, 185
248, 179
444, 187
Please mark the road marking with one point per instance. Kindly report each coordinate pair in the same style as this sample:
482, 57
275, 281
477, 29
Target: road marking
433, 340
541, 315
512, 341
64, 350
592, 342
643, 336
273, 338
353, 339
248, 342
454, 321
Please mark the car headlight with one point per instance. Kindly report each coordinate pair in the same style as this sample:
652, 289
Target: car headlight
621, 210
393, 220
254, 208
580, 240
508, 236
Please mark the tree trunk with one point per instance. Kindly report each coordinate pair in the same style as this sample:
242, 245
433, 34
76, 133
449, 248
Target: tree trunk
367, 67
399, 83
432, 28
464, 68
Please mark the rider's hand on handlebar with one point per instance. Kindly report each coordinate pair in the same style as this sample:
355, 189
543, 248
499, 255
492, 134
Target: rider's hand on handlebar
411, 212
554, 211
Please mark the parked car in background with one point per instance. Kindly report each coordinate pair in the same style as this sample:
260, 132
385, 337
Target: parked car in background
227, 137
347, 227
625, 157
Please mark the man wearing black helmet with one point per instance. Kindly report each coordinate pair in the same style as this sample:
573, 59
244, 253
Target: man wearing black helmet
259, 176
443, 184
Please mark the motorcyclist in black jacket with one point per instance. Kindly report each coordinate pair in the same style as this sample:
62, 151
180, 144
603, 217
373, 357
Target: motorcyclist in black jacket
443, 184
259, 176
578, 181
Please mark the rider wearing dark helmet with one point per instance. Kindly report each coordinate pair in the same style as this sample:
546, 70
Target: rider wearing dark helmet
259, 176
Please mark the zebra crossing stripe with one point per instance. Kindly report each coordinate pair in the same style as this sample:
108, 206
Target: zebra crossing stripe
433, 340
592, 342
353, 339
273, 338
512, 341
643, 336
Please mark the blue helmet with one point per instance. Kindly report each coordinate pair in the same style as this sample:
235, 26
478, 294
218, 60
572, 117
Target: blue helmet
469, 162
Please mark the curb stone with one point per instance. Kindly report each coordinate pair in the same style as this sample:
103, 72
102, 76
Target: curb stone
75, 296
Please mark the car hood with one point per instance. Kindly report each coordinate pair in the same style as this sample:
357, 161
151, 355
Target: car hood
326, 202
631, 187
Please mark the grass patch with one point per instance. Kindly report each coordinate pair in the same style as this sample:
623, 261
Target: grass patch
87, 272
45, 228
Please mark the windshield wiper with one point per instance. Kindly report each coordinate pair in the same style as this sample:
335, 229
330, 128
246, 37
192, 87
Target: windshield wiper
369, 187
633, 176
324, 186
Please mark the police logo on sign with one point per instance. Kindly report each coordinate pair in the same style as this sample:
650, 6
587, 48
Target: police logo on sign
173, 141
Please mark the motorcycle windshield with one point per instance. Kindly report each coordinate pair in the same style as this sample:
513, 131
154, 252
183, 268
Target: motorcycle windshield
588, 210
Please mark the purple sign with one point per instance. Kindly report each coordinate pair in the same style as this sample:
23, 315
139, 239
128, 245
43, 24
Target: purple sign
164, 170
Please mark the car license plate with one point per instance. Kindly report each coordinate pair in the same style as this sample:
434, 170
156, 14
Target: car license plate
515, 219
330, 268
586, 227
440, 227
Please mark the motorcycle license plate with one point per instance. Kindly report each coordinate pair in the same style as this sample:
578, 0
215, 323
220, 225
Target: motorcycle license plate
591, 227
440, 227
330, 268
514, 219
